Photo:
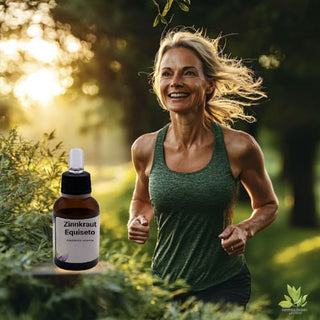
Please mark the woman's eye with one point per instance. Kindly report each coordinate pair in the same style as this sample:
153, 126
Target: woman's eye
165, 74
190, 73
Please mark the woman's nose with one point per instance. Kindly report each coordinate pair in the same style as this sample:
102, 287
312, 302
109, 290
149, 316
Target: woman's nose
176, 80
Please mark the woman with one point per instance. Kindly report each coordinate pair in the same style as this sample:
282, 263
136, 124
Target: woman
188, 172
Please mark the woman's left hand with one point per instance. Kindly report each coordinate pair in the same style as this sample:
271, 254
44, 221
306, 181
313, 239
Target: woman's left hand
234, 239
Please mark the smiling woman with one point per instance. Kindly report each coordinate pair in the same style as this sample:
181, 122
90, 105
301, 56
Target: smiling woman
188, 172
180, 67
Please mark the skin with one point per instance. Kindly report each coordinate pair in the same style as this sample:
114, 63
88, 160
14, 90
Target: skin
188, 147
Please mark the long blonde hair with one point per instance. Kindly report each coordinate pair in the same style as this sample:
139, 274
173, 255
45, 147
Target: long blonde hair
235, 85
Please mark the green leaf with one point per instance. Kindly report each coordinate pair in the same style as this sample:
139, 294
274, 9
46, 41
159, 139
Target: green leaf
163, 20
183, 7
291, 292
52, 135
298, 302
285, 304
167, 8
287, 298
298, 293
302, 301
156, 20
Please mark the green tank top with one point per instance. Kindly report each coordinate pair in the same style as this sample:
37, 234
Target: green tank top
191, 209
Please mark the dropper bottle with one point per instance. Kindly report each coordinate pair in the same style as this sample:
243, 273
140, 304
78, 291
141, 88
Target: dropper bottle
76, 219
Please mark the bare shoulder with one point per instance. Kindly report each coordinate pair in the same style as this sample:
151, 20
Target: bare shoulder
142, 151
239, 142
143, 146
243, 151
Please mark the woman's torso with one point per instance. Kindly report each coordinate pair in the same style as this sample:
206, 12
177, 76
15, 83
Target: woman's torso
191, 209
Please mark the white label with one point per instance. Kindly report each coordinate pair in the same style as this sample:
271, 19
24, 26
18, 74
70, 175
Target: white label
76, 240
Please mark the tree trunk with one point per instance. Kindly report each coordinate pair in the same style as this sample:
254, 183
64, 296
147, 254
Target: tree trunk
300, 171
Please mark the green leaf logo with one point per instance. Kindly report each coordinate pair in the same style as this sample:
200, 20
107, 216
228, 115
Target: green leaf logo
295, 299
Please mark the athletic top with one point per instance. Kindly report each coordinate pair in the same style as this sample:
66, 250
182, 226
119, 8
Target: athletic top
191, 209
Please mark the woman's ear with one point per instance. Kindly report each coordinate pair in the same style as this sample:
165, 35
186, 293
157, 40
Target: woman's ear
210, 89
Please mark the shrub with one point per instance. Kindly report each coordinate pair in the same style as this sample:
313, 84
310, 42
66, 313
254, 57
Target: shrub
29, 184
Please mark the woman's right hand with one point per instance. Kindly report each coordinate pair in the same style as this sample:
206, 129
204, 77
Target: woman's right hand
138, 229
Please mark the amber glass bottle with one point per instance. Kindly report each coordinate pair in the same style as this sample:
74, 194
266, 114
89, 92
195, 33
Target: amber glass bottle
76, 225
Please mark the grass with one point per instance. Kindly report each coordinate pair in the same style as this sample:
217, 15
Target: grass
277, 256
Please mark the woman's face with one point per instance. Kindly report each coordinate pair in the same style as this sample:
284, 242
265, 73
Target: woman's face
183, 85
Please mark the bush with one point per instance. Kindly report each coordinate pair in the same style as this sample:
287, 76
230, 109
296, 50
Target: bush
29, 184
122, 292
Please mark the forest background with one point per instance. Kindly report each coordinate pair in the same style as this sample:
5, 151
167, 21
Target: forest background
81, 70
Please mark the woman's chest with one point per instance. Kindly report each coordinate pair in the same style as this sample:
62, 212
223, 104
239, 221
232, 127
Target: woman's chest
212, 187
188, 160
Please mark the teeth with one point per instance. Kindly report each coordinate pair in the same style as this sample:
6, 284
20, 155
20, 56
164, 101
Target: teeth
178, 95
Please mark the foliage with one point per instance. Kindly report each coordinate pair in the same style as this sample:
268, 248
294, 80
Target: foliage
29, 180
161, 16
30, 173
123, 291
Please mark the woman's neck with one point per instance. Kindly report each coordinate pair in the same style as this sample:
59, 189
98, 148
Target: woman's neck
186, 131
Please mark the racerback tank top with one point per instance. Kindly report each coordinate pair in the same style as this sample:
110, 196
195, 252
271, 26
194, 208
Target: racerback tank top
191, 209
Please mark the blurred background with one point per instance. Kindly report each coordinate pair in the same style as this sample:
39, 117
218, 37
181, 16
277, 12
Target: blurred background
82, 68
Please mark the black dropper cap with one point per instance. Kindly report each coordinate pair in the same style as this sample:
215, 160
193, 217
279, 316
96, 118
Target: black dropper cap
76, 181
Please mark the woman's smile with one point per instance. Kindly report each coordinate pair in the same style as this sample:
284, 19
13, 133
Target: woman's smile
183, 85
178, 95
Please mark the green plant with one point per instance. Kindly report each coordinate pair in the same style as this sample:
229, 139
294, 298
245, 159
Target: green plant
29, 173
122, 291
29, 184
295, 299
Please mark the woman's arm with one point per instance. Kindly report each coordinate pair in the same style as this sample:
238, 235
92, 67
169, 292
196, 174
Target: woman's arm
141, 211
264, 202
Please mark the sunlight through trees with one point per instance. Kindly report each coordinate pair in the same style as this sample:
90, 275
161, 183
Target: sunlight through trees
37, 53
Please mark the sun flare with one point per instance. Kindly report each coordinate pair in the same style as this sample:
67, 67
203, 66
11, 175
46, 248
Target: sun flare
37, 62
40, 86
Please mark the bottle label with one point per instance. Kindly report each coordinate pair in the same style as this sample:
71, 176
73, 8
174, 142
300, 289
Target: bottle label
76, 240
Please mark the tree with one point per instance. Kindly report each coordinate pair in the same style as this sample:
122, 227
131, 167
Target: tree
292, 111
124, 48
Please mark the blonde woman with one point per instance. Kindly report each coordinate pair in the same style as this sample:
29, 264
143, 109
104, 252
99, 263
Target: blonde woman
188, 172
